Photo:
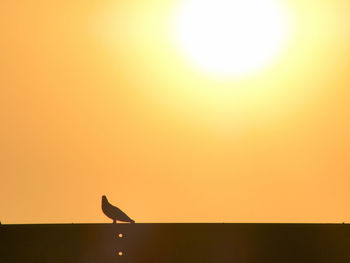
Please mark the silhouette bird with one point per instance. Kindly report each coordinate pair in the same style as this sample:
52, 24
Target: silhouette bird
113, 212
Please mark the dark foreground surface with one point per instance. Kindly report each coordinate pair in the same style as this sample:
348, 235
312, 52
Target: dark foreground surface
167, 243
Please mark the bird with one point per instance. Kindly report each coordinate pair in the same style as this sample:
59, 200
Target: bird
113, 212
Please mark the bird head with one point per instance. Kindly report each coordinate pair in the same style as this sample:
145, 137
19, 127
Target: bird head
104, 198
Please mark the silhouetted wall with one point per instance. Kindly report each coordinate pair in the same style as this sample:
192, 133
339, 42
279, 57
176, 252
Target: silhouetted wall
167, 243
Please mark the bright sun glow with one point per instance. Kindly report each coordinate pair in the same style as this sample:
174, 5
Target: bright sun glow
231, 37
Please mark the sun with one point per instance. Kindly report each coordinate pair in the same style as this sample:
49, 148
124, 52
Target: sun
231, 37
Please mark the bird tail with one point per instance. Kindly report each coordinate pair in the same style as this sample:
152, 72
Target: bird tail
132, 221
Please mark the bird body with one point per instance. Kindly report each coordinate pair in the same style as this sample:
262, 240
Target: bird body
113, 212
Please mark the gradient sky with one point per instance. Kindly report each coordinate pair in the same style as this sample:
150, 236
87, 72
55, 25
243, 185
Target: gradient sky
96, 99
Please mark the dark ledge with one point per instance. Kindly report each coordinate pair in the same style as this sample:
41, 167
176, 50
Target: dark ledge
175, 242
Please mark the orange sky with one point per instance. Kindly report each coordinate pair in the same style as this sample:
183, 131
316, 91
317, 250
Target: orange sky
95, 99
